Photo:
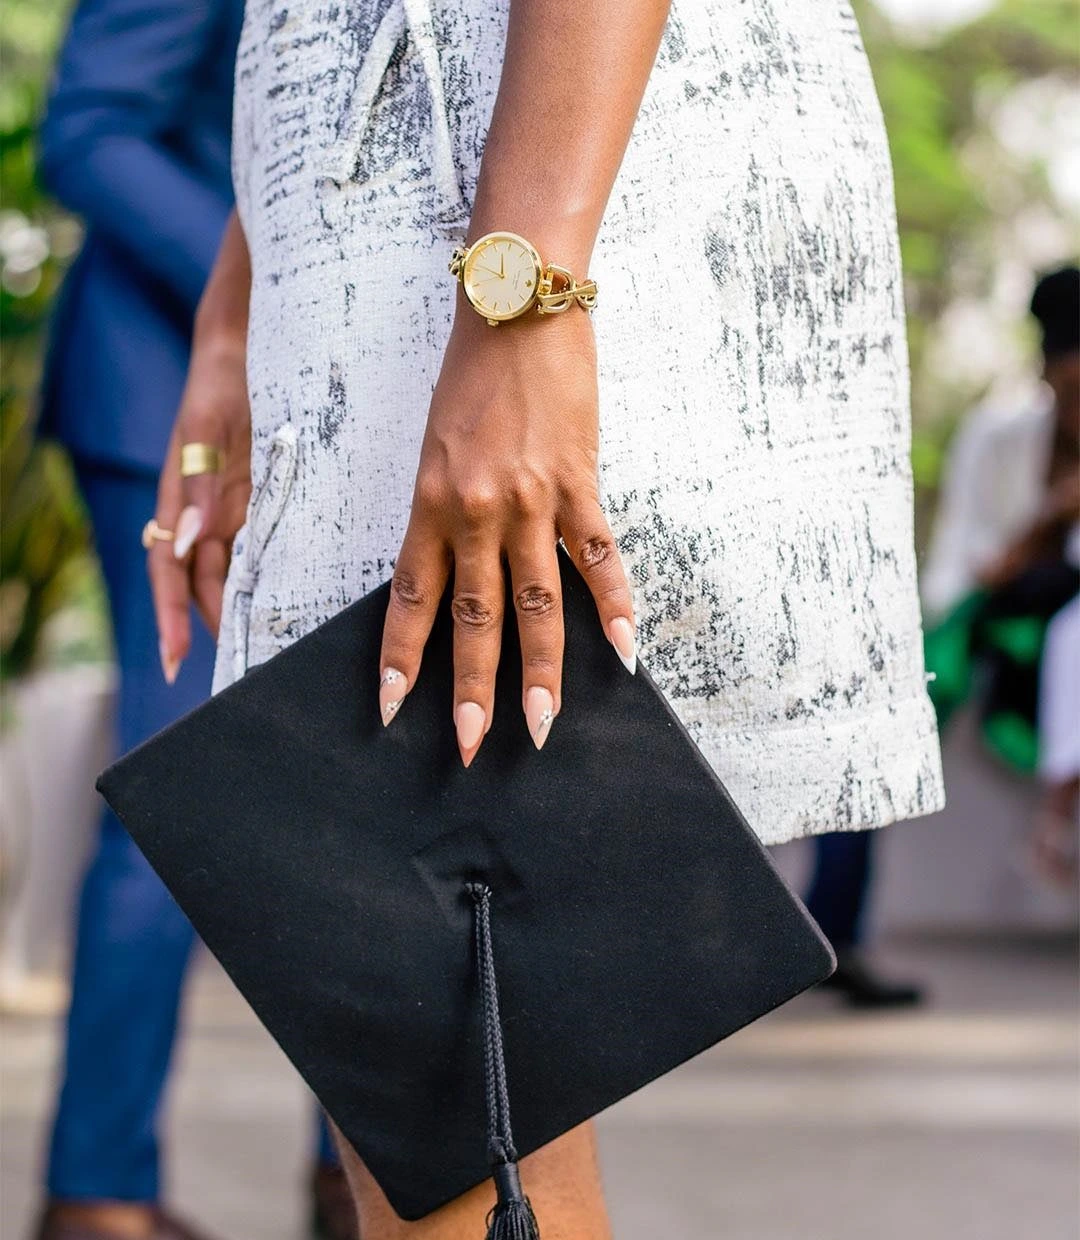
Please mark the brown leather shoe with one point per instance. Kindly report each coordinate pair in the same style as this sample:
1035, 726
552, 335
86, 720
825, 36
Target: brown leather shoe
54, 1226
333, 1215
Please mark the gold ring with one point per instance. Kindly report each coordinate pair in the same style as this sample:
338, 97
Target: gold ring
200, 458
152, 532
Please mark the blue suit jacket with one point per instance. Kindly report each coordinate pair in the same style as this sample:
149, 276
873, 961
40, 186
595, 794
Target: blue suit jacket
136, 141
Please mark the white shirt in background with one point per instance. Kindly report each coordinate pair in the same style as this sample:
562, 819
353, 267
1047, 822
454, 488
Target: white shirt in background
993, 488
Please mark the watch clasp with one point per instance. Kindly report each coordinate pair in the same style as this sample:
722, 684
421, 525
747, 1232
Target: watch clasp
551, 300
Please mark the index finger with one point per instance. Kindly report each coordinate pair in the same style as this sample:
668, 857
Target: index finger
420, 577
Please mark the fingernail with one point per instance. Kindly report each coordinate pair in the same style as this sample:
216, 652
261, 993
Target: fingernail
621, 636
469, 720
187, 530
539, 714
170, 665
392, 689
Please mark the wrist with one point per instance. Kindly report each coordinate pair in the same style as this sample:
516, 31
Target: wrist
528, 331
219, 333
560, 220
221, 318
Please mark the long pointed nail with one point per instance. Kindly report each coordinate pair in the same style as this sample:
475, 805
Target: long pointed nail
621, 636
469, 720
392, 689
539, 714
187, 530
170, 664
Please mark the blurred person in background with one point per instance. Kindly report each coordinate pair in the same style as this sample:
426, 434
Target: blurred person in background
137, 141
1003, 573
1059, 759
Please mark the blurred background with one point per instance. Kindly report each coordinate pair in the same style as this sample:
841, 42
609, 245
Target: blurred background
949, 1108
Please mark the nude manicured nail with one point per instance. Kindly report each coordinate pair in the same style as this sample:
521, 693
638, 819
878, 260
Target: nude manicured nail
621, 636
392, 689
469, 720
170, 665
539, 714
187, 530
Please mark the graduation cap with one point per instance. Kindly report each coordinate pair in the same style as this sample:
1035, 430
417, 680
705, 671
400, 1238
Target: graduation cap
427, 942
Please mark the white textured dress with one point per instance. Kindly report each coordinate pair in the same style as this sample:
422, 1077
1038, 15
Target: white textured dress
754, 391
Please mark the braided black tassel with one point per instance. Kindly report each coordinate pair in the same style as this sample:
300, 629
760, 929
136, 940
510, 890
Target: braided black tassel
511, 1217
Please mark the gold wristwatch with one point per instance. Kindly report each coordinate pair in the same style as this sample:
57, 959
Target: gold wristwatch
504, 277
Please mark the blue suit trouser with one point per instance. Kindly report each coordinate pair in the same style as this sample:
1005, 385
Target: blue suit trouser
133, 943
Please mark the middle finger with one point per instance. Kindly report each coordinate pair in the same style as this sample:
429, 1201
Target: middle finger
477, 608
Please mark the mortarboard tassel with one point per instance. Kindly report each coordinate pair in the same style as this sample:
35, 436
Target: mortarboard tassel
511, 1217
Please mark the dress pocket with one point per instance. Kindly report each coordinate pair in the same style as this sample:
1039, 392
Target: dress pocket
390, 126
265, 508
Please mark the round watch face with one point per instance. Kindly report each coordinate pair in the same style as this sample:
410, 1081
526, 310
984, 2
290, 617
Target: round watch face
500, 275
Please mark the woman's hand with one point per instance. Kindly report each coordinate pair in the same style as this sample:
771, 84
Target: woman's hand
508, 465
206, 510
509, 459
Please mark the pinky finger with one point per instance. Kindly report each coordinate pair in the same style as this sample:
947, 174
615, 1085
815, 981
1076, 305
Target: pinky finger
592, 547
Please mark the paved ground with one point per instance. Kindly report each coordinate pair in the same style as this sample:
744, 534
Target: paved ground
955, 1123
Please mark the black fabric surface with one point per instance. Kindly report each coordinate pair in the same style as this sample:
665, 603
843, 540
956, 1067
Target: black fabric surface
636, 919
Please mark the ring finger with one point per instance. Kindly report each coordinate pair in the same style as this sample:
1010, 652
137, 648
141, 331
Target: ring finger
534, 570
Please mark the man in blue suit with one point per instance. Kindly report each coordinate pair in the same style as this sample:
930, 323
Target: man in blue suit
136, 140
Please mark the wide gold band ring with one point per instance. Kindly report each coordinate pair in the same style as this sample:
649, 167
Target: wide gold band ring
152, 532
200, 458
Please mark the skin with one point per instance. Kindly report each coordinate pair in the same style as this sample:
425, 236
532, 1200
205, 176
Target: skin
562, 1180
508, 464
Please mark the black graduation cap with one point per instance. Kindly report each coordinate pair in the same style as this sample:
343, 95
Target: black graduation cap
364, 891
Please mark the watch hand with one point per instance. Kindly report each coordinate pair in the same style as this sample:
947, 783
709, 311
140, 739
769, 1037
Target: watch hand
479, 267
502, 266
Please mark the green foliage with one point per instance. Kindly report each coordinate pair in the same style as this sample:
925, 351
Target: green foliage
44, 542
938, 97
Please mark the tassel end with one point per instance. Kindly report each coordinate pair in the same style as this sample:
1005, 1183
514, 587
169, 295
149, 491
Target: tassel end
513, 1221
512, 1217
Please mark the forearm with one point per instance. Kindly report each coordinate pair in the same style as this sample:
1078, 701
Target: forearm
573, 77
222, 317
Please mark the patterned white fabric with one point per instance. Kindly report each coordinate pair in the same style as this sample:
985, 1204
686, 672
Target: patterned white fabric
753, 368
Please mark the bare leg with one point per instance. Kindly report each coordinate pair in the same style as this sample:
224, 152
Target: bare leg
562, 1181
124, 1220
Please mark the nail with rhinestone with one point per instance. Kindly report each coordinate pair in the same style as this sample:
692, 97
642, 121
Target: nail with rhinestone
392, 689
539, 714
